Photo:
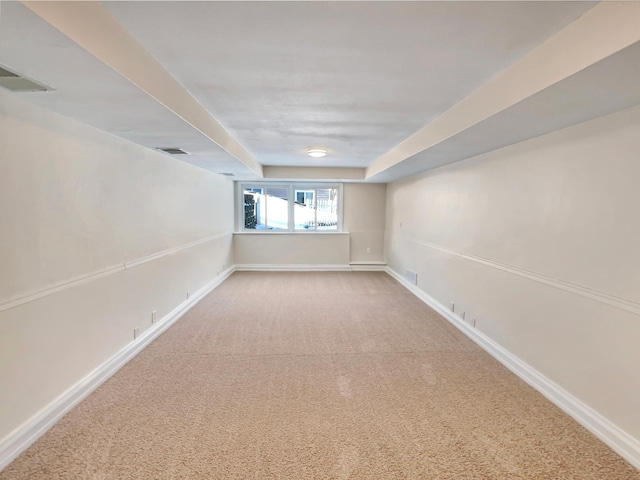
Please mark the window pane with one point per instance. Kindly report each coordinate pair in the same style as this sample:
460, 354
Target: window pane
316, 209
327, 208
277, 208
304, 210
252, 203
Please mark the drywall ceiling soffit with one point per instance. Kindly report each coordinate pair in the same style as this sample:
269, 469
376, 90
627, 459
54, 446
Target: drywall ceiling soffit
573, 77
328, 174
262, 83
603, 88
114, 85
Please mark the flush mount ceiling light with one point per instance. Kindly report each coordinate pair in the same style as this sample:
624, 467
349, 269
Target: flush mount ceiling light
317, 152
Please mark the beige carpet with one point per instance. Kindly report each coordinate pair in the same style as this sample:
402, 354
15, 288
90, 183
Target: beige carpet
316, 376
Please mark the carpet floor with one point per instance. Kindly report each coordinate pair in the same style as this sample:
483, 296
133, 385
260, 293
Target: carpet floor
333, 375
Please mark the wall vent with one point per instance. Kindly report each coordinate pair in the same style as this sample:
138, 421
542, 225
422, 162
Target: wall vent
6, 73
411, 276
173, 150
15, 82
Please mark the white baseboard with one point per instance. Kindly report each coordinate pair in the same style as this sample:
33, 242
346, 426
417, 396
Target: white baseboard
292, 267
621, 442
352, 267
21, 438
368, 268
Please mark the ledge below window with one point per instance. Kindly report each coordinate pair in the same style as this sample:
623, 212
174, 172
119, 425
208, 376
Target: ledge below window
272, 232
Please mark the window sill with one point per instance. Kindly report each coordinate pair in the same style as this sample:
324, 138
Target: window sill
268, 232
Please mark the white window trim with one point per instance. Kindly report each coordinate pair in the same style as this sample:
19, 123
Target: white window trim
291, 186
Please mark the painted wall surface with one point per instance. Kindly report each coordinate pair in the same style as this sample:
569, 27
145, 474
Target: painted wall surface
96, 233
291, 248
539, 242
363, 220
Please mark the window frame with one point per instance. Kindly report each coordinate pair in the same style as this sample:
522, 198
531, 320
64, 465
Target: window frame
292, 187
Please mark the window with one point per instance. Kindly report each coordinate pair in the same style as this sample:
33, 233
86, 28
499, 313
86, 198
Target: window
266, 208
289, 207
316, 209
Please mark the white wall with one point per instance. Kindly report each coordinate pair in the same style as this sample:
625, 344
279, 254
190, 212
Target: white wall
364, 219
96, 234
539, 242
267, 249
363, 223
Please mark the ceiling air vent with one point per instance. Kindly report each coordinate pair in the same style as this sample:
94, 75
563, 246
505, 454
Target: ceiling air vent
18, 83
173, 151
227, 174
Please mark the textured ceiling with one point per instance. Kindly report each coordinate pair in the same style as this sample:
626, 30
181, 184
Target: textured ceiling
247, 85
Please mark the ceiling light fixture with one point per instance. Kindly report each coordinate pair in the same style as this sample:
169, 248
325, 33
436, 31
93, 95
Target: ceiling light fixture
317, 152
